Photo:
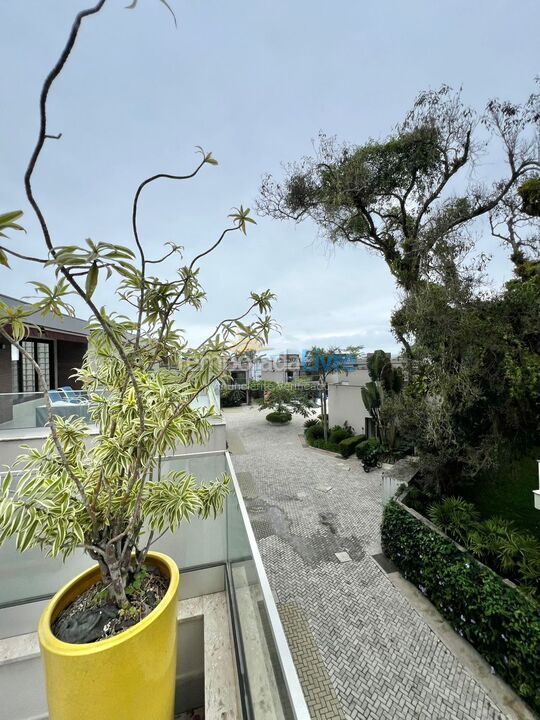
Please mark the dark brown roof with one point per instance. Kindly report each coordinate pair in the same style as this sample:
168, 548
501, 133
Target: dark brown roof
48, 321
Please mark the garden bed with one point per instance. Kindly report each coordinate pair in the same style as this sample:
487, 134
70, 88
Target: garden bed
496, 617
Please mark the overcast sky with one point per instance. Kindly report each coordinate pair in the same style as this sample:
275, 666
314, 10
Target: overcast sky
254, 82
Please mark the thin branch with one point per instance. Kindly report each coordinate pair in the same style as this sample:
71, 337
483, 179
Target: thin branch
41, 261
49, 80
135, 229
51, 77
168, 255
449, 172
214, 246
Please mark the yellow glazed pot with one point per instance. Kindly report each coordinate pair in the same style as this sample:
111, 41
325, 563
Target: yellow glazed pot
130, 676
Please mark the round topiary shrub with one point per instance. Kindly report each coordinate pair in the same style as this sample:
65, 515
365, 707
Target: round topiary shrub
279, 418
338, 433
348, 446
366, 447
315, 432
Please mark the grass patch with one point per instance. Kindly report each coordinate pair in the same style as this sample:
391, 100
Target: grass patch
507, 493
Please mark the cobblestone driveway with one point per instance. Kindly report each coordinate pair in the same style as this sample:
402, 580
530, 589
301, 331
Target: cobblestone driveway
361, 650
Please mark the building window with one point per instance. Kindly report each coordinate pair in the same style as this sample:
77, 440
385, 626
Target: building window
238, 377
42, 353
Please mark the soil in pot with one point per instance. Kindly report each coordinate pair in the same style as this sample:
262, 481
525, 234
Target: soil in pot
93, 615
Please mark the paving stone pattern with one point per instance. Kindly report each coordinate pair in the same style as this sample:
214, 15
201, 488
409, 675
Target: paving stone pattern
362, 652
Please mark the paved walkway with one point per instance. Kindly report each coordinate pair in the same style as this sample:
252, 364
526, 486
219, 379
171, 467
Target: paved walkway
362, 651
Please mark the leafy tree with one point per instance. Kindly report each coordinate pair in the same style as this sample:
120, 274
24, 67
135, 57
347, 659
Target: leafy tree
286, 398
113, 497
472, 390
473, 396
396, 197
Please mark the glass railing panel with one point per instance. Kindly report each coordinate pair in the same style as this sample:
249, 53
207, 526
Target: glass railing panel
29, 575
274, 690
23, 411
267, 687
25, 576
18, 410
199, 542
202, 400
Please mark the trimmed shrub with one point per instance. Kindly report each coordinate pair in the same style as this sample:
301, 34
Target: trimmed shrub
348, 445
232, 398
323, 445
498, 620
366, 447
314, 432
338, 433
279, 418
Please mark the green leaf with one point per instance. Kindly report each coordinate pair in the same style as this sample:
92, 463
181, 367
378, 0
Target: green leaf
3, 258
6, 482
7, 220
91, 280
9, 217
26, 537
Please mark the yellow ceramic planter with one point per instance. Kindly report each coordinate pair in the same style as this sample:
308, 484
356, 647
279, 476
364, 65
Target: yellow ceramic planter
130, 676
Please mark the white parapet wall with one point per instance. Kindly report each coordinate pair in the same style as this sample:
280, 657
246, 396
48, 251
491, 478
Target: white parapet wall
396, 475
11, 441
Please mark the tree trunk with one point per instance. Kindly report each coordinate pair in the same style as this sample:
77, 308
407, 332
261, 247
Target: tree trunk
324, 412
118, 577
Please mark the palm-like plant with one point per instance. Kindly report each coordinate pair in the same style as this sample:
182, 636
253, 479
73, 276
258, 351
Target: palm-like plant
454, 516
371, 397
110, 497
386, 382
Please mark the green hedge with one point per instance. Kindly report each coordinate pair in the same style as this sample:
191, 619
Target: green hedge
315, 431
498, 620
314, 434
279, 418
348, 446
366, 447
323, 444
338, 433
